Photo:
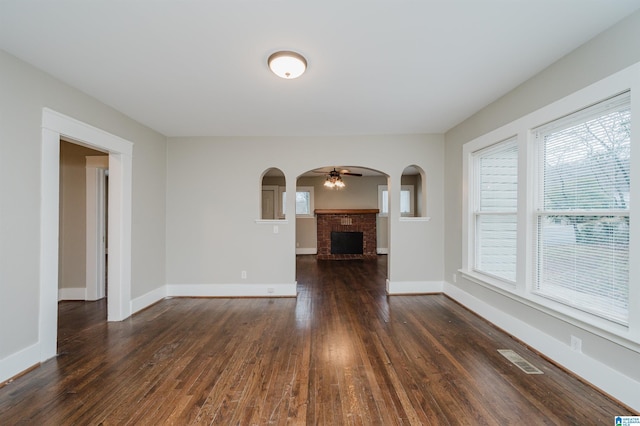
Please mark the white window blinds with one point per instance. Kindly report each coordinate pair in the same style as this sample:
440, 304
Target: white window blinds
495, 213
583, 209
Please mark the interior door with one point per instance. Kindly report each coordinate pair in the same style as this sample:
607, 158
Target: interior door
269, 206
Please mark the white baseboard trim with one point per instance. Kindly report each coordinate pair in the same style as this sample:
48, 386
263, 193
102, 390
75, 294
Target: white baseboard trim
18, 362
76, 293
382, 250
600, 375
146, 300
309, 250
232, 290
413, 287
212, 290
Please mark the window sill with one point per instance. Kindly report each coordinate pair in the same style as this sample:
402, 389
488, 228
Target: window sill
489, 281
272, 221
606, 329
415, 219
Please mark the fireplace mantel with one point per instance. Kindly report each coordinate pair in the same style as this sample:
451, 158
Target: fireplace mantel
346, 211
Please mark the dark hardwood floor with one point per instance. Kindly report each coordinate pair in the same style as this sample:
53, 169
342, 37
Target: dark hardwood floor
341, 353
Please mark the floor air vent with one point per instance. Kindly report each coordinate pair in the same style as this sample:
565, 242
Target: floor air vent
519, 362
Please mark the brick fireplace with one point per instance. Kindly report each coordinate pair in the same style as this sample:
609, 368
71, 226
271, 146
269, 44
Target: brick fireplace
345, 222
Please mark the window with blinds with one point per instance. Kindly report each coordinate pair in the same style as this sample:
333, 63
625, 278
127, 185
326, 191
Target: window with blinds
583, 209
496, 203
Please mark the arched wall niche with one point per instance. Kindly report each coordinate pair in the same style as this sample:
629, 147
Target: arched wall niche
413, 198
272, 185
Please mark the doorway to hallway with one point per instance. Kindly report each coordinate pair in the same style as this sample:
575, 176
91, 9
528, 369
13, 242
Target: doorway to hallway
82, 247
56, 126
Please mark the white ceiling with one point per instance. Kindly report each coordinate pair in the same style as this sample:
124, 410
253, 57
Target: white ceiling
198, 68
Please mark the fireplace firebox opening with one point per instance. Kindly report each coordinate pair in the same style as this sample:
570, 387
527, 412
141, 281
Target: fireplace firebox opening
346, 242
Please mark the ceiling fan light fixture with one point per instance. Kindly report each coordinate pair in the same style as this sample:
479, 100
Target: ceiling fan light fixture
287, 64
334, 180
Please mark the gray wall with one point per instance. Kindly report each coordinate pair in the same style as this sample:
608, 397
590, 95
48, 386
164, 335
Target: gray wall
613, 50
212, 232
25, 91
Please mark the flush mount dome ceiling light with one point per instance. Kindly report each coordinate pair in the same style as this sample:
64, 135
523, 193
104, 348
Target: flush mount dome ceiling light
287, 64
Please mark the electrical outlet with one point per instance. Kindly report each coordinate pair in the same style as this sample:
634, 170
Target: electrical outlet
270, 290
455, 277
576, 344
243, 275
275, 229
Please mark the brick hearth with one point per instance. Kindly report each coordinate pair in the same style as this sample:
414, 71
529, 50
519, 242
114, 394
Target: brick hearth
346, 220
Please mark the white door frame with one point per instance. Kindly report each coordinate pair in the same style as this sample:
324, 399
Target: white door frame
55, 126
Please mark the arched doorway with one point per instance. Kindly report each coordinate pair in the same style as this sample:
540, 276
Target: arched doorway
360, 192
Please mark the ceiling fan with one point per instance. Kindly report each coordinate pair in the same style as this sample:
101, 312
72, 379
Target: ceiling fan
334, 180
335, 173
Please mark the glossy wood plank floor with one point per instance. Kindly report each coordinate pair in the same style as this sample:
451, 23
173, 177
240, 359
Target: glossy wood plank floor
342, 353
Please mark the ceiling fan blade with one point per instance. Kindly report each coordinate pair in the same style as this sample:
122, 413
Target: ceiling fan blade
336, 172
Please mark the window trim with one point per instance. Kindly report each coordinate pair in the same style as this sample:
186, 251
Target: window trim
523, 128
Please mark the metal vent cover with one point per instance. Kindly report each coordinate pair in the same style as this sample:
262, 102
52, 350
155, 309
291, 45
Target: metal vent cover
519, 362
